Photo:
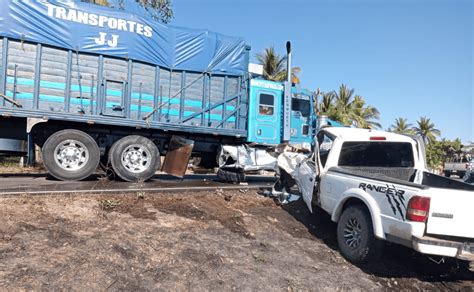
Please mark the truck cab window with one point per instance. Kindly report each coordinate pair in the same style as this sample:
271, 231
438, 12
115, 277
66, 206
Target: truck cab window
301, 105
266, 104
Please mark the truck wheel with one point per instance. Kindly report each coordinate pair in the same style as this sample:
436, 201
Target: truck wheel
355, 235
447, 174
234, 177
70, 155
134, 158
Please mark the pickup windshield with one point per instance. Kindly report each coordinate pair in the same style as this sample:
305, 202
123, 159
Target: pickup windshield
376, 154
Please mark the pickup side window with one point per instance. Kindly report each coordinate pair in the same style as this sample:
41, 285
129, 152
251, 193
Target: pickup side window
325, 145
376, 154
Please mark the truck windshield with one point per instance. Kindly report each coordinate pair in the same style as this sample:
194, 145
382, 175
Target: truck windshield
376, 154
301, 105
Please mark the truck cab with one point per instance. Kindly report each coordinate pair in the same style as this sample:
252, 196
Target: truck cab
269, 110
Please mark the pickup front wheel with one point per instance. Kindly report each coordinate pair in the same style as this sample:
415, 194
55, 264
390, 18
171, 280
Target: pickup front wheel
355, 235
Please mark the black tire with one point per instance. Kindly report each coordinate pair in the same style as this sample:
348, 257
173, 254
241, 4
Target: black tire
147, 165
447, 174
234, 177
80, 145
367, 247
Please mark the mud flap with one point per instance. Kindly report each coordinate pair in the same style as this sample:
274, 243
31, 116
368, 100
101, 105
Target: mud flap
177, 157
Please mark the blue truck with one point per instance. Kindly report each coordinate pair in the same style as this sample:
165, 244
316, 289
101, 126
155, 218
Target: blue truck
92, 85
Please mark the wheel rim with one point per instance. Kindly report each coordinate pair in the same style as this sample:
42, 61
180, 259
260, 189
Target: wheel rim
71, 155
352, 233
136, 158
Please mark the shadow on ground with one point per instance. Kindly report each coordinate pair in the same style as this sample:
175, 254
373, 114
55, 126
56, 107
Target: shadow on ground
395, 262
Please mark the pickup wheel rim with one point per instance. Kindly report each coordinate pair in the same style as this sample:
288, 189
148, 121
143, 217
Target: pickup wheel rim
352, 233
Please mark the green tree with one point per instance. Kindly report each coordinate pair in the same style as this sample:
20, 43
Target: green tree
349, 109
160, 10
401, 126
274, 66
437, 152
426, 130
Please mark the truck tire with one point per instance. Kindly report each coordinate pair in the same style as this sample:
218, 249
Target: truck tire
234, 177
447, 174
134, 158
355, 235
70, 155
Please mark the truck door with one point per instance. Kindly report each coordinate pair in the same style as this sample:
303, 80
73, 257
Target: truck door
264, 123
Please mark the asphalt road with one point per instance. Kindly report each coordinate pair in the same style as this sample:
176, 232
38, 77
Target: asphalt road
40, 183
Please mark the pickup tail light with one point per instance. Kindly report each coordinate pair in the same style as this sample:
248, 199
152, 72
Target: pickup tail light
418, 209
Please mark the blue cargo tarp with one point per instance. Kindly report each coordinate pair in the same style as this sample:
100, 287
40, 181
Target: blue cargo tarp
91, 28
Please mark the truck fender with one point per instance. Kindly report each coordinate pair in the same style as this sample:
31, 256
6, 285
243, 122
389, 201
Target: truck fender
369, 202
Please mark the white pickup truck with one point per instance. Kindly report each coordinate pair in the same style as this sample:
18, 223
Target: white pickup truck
375, 185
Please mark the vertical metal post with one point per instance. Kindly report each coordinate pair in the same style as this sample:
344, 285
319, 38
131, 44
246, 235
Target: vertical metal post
160, 103
100, 80
157, 91
204, 102
37, 81
91, 95
15, 82
181, 101
31, 150
244, 97
169, 98
139, 100
224, 105
67, 89
128, 95
209, 83
3, 73
238, 113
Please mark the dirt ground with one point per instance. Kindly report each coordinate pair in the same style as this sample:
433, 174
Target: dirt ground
193, 241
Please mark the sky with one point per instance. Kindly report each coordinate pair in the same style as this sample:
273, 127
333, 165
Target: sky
408, 58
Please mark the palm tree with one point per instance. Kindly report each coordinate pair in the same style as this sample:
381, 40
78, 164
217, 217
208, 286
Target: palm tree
364, 116
426, 130
350, 110
326, 106
274, 66
401, 126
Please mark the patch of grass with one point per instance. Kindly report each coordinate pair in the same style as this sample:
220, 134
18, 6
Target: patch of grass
259, 258
109, 204
7, 161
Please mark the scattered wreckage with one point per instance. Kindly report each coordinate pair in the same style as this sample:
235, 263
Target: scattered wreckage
376, 186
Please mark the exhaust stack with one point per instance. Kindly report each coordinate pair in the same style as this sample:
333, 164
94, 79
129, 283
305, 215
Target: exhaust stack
288, 61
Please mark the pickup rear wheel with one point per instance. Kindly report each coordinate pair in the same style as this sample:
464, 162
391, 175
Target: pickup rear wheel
134, 158
355, 235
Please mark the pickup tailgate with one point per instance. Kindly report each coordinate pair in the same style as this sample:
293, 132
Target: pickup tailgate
451, 213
